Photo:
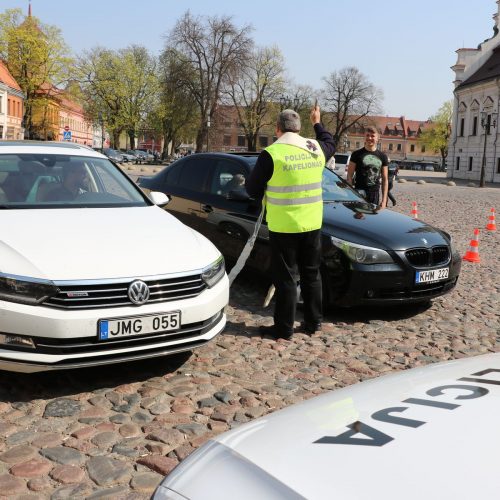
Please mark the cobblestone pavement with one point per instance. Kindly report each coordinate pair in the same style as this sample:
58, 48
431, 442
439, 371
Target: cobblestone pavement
114, 432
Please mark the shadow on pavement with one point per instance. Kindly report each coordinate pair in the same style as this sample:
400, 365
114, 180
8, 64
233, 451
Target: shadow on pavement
20, 387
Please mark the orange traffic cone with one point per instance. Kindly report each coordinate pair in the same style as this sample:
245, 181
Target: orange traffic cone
472, 255
414, 211
491, 226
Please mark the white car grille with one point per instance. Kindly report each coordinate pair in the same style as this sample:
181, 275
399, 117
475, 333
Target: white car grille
99, 294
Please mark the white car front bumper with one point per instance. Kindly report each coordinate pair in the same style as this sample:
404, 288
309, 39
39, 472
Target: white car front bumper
69, 338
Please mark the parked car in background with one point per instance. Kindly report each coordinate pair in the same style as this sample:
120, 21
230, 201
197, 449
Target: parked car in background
92, 271
370, 256
113, 154
128, 156
144, 155
424, 433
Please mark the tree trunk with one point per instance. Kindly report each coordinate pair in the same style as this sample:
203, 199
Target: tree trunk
116, 139
252, 142
200, 136
131, 136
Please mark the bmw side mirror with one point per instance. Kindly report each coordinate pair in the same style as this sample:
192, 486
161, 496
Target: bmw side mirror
160, 199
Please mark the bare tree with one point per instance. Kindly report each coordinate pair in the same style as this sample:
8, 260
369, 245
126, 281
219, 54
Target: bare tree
212, 47
349, 96
254, 90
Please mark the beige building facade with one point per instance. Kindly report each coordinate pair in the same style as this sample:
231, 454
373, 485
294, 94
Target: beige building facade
474, 141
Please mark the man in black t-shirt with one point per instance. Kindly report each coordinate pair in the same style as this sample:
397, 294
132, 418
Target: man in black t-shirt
369, 168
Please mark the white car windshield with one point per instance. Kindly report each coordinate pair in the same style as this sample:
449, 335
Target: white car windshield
60, 181
337, 189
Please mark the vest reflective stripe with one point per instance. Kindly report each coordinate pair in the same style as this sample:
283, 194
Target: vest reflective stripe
294, 201
293, 193
293, 189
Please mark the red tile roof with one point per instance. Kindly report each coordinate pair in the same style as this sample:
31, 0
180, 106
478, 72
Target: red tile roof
7, 78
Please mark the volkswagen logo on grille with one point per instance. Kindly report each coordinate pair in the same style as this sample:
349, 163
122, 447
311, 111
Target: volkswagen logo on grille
138, 292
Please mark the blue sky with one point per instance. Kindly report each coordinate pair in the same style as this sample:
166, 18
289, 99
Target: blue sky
406, 48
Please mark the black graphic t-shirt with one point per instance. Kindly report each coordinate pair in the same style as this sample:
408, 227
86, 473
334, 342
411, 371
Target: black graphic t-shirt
368, 168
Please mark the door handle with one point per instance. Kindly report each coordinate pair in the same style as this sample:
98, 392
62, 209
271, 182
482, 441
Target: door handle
207, 209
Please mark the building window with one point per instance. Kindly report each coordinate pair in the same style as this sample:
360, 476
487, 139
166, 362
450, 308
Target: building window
498, 165
227, 140
399, 147
358, 144
8, 106
422, 149
474, 126
263, 141
241, 140
390, 146
457, 164
462, 126
470, 162
412, 148
348, 144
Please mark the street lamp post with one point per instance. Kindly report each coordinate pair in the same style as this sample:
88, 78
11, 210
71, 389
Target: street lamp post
208, 130
487, 120
286, 102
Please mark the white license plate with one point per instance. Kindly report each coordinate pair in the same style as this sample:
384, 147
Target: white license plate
108, 329
432, 275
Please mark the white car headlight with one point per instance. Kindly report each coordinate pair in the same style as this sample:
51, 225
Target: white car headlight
214, 273
362, 254
26, 290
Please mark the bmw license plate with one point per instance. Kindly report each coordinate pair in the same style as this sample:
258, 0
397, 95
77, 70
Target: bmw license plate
433, 275
108, 329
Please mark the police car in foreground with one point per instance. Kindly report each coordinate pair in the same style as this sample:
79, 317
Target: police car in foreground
92, 271
426, 433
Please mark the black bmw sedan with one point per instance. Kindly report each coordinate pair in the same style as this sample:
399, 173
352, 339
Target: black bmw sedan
369, 256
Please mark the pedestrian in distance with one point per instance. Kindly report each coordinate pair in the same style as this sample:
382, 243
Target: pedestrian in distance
288, 174
393, 170
368, 168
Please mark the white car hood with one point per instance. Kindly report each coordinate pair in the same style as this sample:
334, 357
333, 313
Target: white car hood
446, 447
99, 243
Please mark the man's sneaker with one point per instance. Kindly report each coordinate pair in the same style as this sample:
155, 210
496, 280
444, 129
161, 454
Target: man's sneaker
271, 331
310, 328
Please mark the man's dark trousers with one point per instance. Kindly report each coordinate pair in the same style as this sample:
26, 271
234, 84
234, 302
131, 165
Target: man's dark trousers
289, 252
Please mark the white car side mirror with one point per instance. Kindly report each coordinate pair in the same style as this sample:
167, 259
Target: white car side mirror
160, 199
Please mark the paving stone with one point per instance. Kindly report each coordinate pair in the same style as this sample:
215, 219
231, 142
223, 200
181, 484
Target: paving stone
129, 430
44, 439
10, 485
146, 482
7, 429
18, 454
119, 419
192, 429
67, 474
81, 490
31, 468
39, 484
105, 439
162, 465
171, 437
141, 418
62, 407
107, 471
63, 455
109, 493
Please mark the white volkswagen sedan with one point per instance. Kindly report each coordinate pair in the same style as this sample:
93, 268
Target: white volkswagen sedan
92, 271
426, 433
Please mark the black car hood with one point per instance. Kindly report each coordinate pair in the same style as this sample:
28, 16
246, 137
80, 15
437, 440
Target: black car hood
359, 223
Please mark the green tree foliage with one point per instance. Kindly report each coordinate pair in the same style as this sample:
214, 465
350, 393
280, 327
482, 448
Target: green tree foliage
213, 48
119, 88
36, 55
349, 96
255, 88
435, 137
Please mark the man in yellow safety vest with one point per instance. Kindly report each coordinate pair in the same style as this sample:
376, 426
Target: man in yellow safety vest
289, 173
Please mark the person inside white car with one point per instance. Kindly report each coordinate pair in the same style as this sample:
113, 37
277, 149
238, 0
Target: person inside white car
74, 183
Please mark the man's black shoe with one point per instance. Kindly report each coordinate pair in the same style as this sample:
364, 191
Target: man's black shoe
310, 328
271, 331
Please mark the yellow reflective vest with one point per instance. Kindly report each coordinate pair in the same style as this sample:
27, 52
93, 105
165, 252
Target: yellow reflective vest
294, 200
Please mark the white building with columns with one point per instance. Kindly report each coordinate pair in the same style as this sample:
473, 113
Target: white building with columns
474, 147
